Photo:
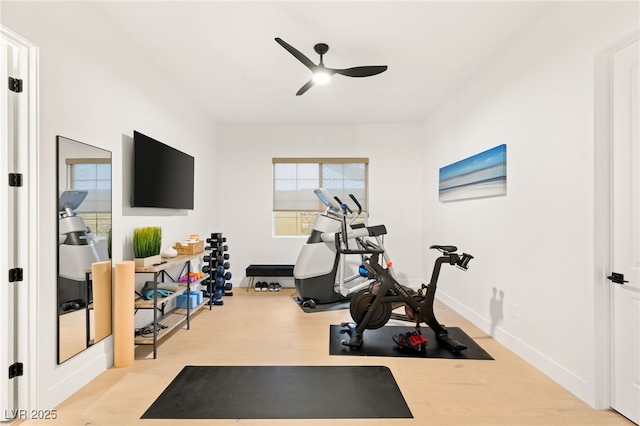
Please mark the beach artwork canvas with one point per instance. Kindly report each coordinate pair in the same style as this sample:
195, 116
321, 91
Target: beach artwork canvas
481, 175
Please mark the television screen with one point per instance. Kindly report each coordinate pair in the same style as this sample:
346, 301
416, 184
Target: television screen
162, 176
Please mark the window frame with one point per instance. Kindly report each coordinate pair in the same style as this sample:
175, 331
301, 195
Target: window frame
94, 216
300, 213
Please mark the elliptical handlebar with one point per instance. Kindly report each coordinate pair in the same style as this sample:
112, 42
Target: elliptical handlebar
355, 200
345, 208
369, 247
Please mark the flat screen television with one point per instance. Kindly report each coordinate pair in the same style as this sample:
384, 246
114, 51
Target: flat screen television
163, 177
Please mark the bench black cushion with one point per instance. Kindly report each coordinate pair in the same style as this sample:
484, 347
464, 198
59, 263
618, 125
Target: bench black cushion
269, 271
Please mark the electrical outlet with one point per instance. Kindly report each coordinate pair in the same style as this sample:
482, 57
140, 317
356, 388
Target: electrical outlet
515, 311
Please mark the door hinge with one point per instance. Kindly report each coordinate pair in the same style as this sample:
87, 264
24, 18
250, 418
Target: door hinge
15, 179
15, 85
617, 278
15, 275
15, 370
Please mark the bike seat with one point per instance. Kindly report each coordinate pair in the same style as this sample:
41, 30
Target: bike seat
445, 249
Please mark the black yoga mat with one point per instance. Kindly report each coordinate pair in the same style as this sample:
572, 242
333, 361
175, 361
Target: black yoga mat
380, 342
280, 392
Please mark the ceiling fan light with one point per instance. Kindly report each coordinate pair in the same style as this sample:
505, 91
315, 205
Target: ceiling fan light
321, 77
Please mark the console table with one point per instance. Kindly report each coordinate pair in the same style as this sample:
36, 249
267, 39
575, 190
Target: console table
176, 316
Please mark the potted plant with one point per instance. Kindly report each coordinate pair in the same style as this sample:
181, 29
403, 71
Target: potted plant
147, 243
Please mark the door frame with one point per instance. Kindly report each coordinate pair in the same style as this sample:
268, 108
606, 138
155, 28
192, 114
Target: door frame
28, 136
603, 147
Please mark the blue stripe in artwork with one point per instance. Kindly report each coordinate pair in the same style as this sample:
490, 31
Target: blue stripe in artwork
477, 176
483, 160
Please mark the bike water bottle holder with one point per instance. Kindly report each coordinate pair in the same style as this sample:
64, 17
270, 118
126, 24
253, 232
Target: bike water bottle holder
362, 270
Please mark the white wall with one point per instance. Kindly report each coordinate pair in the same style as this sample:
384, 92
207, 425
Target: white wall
246, 187
532, 283
96, 88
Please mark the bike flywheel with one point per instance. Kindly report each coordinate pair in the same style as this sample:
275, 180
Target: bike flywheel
360, 305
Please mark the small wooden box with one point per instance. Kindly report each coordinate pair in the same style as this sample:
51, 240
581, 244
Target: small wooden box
183, 247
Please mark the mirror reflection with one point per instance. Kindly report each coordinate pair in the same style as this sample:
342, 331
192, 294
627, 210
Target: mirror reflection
84, 246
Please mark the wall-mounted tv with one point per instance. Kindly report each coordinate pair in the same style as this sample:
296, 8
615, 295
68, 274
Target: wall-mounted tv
163, 177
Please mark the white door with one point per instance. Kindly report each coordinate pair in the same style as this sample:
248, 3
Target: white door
8, 101
625, 215
18, 133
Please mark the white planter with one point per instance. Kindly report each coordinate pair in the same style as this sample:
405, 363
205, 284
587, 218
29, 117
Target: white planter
143, 262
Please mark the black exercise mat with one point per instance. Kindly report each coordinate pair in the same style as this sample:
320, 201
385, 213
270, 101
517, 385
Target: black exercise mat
280, 392
324, 307
380, 342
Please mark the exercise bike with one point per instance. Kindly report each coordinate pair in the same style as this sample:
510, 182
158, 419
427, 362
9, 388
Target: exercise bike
372, 308
320, 271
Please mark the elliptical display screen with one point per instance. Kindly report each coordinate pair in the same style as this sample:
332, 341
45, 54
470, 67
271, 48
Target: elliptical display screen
327, 199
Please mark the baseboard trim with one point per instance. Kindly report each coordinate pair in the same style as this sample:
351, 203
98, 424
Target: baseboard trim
566, 378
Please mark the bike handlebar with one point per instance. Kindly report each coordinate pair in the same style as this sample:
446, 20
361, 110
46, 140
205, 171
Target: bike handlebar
463, 261
460, 261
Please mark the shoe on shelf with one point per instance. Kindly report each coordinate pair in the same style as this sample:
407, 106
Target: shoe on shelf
265, 286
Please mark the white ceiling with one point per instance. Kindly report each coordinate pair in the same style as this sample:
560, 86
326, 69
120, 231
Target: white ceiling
224, 54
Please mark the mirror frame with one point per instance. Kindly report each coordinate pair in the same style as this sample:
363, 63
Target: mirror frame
89, 273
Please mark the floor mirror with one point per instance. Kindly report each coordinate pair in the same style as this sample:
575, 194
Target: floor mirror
84, 287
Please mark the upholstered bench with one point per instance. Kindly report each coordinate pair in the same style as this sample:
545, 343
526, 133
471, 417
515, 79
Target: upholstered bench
254, 271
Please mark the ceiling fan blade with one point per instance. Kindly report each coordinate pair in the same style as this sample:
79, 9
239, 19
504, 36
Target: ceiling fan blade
295, 52
365, 71
306, 87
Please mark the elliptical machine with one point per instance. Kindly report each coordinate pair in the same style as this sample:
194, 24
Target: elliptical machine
78, 251
320, 271
372, 308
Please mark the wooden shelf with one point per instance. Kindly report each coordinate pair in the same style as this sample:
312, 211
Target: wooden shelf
171, 320
142, 303
175, 317
169, 262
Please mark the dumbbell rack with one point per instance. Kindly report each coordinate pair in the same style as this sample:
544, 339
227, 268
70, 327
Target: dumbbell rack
217, 266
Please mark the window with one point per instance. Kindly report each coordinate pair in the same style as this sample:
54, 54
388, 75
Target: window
93, 175
295, 206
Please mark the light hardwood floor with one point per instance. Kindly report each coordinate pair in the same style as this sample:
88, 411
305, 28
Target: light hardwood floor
268, 328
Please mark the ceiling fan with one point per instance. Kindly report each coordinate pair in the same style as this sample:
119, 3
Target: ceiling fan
322, 74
